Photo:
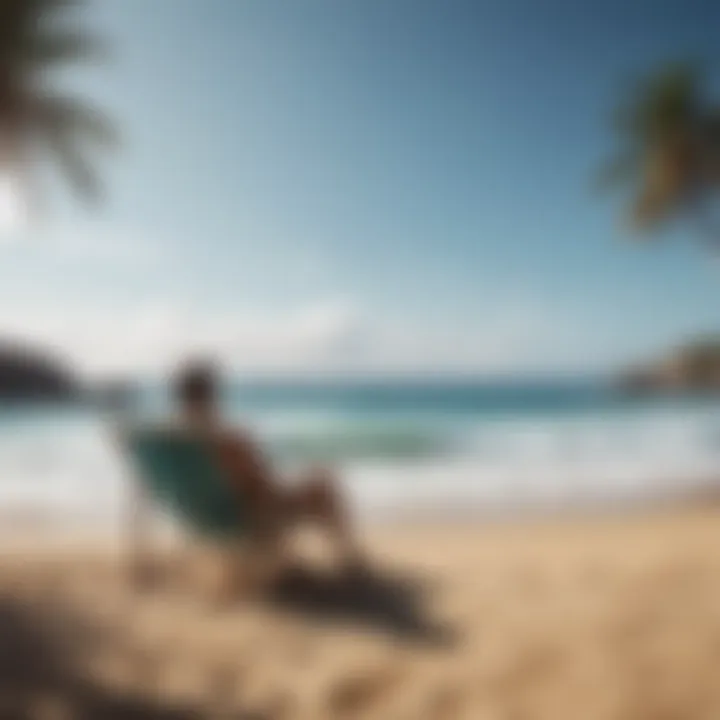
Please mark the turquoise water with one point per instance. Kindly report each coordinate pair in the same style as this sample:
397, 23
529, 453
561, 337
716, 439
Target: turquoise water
398, 445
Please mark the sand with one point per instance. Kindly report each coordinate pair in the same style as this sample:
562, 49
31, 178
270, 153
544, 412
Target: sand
577, 619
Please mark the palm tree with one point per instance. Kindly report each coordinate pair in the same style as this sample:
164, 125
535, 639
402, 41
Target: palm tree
36, 120
669, 154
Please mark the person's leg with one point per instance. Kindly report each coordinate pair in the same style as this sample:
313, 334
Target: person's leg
316, 497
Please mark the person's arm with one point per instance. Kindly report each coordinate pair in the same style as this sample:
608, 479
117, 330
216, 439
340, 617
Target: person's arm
247, 469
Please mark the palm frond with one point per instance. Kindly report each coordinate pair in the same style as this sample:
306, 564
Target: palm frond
648, 211
663, 104
76, 168
66, 125
58, 5
63, 115
47, 9
710, 139
31, 39
664, 143
51, 49
669, 183
35, 37
620, 170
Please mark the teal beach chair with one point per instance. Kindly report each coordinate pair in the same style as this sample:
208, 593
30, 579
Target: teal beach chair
176, 469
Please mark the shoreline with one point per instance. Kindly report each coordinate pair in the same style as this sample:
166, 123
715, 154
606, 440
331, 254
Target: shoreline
52, 526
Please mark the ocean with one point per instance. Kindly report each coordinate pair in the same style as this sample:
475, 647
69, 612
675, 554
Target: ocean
398, 446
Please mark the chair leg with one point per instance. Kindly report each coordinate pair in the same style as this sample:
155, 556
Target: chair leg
141, 561
142, 566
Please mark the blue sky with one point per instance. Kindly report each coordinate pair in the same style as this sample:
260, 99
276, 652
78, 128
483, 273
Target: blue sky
365, 185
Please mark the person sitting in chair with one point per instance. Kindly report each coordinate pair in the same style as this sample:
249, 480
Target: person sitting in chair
271, 506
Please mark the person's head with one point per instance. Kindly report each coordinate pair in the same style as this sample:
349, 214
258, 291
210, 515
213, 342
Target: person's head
196, 388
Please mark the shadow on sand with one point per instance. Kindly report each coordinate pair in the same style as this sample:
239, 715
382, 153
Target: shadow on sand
386, 602
39, 644
36, 672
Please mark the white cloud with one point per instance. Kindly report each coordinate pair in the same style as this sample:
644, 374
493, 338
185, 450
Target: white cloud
117, 247
330, 336
153, 337
80, 243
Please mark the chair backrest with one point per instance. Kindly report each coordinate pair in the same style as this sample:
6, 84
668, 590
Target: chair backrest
178, 469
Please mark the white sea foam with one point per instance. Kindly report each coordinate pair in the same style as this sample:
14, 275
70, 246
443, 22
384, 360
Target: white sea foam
69, 466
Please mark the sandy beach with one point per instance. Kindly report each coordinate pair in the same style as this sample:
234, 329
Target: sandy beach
596, 618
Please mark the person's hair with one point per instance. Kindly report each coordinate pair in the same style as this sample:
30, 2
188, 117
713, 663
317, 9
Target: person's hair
196, 383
